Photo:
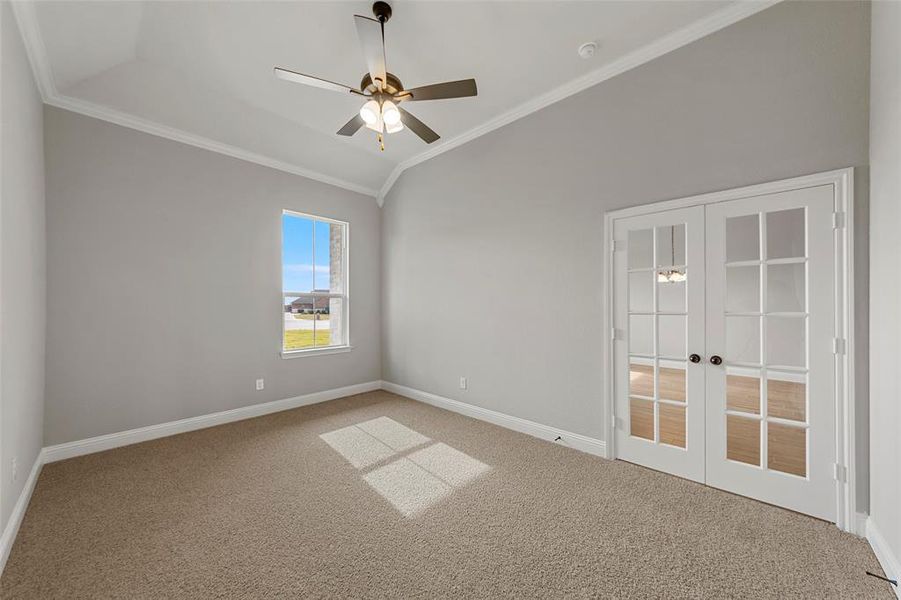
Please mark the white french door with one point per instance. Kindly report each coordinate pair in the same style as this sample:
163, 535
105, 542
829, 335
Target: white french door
725, 319
770, 316
659, 320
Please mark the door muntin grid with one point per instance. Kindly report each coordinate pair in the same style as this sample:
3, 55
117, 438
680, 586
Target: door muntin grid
657, 334
766, 356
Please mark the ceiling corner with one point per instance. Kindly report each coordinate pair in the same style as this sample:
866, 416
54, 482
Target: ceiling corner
392, 177
27, 19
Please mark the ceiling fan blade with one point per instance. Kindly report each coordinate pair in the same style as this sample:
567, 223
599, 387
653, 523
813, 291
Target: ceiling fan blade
418, 127
440, 91
372, 41
352, 126
313, 81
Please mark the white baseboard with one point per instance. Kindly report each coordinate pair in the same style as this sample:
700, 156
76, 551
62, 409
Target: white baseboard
18, 513
544, 432
152, 432
860, 524
884, 554
133, 436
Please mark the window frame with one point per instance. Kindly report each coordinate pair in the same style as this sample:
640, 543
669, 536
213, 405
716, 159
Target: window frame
345, 296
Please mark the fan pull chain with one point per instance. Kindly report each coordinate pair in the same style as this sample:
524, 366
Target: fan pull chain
381, 142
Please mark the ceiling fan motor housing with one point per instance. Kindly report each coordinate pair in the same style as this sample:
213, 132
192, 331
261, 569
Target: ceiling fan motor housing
382, 11
392, 86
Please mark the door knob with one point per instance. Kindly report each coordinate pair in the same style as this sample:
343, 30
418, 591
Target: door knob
694, 358
716, 360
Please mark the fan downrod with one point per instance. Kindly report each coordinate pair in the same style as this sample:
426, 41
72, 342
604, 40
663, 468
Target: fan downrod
382, 11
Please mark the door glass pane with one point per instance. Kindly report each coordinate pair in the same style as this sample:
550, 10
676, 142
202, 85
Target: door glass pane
641, 418
743, 289
672, 382
743, 440
641, 334
671, 334
641, 380
786, 341
786, 448
743, 339
786, 396
743, 238
671, 245
672, 424
785, 234
786, 288
743, 391
641, 249
671, 295
641, 291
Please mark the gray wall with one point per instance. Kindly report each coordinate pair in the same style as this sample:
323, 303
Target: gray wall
885, 251
493, 252
164, 266
23, 268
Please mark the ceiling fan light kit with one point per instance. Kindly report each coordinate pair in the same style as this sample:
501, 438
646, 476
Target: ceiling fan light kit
384, 92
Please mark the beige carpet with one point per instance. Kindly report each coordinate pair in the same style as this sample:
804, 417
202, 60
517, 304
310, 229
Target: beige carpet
379, 496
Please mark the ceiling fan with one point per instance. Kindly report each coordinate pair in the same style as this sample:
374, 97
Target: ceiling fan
384, 90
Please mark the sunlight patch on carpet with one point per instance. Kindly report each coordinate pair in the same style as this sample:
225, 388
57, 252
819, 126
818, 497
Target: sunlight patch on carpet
408, 487
397, 466
393, 434
358, 447
449, 464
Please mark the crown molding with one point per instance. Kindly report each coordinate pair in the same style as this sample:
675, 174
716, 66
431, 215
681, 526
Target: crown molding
392, 177
26, 18
105, 113
37, 55
673, 41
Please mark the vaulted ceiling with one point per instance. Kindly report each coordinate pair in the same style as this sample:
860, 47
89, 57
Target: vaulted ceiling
201, 72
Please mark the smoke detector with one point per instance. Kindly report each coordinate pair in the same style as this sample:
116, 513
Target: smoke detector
587, 50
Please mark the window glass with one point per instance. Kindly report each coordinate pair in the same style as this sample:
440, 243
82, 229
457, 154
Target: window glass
314, 282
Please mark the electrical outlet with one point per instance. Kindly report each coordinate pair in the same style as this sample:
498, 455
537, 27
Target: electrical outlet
15, 469
260, 384
462, 383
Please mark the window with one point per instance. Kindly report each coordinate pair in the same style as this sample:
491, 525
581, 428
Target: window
314, 283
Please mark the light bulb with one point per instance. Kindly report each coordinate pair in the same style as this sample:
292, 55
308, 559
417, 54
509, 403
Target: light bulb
394, 128
390, 113
370, 112
378, 125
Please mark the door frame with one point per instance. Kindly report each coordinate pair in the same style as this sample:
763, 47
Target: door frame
842, 181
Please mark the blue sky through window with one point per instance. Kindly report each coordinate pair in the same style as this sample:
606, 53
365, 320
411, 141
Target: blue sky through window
298, 237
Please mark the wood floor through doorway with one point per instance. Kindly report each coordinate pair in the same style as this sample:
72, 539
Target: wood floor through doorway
786, 406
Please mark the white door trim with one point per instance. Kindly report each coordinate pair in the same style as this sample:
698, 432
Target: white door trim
842, 181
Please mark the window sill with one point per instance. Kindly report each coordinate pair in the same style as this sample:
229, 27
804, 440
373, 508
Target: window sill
315, 351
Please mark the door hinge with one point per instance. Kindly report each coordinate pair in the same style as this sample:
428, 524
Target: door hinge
613, 334
613, 421
838, 345
838, 220
616, 246
839, 472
